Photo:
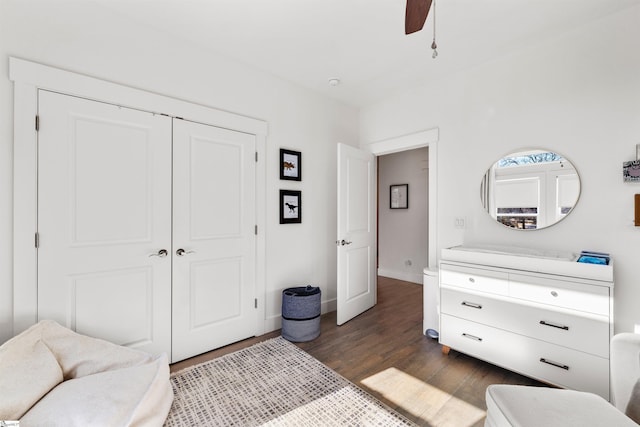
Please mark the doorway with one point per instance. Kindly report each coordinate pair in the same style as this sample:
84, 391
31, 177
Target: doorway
403, 214
368, 186
427, 138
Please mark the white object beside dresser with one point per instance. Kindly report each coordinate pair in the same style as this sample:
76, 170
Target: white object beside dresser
537, 313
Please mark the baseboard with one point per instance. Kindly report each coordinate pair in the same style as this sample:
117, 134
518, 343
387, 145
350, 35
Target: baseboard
401, 275
329, 306
272, 323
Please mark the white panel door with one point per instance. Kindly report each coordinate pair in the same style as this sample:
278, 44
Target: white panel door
214, 240
104, 211
356, 242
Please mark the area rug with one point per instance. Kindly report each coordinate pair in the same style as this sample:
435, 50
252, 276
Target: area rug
272, 383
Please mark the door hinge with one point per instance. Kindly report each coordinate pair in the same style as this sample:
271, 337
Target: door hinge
256, 230
37, 240
255, 303
256, 157
37, 123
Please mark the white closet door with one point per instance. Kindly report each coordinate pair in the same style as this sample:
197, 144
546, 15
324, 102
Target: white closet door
104, 208
214, 220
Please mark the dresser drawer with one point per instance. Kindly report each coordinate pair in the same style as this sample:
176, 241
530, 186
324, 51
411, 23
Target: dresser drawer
474, 339
494, 282
574, 296
585, 334
538, 359
567, 368
475, 307
573, 329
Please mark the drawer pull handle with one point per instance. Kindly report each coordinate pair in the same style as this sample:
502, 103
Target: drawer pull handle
472, 305
557, 365
565, 328
473, 337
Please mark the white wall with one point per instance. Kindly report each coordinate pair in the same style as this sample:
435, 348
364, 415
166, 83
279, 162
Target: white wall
402, 233
89, 39
579, 95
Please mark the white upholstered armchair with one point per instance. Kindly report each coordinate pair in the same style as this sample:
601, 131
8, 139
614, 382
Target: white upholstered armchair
512, 405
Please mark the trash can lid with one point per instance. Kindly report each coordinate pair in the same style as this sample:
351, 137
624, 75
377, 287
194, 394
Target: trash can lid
302, 291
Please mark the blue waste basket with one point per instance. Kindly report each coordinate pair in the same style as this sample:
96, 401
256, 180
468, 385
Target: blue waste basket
301, 313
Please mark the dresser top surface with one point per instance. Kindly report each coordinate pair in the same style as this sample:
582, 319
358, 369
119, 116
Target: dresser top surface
526, 259
519, 251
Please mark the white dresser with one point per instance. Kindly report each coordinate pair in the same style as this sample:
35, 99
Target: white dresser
540, 314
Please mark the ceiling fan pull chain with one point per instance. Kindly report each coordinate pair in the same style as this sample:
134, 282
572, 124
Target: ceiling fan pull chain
434, 46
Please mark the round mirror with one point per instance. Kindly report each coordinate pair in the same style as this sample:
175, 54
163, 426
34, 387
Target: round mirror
530, 189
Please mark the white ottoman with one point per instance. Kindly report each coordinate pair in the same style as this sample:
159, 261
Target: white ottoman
522, 406
52, 376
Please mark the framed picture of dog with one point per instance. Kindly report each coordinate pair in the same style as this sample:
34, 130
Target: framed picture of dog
290, 165
290, 207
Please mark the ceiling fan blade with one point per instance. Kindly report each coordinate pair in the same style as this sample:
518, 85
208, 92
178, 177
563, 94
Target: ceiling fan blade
416, 15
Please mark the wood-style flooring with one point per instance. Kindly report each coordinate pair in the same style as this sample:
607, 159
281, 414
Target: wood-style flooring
385, 352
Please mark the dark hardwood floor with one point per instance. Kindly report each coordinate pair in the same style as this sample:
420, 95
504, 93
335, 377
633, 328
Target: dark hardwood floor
385, 352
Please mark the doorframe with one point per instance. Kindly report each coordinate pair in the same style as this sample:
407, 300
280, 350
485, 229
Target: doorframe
28, 78
425, 138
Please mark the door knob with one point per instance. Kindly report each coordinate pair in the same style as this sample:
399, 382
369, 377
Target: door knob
343, 242
161, 253
182, 252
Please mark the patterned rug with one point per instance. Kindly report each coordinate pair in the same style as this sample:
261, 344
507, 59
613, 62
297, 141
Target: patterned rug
272, 383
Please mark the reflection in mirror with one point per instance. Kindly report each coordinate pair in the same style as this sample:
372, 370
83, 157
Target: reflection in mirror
530, 190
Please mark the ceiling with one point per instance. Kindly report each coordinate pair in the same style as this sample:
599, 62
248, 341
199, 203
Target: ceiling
361, 42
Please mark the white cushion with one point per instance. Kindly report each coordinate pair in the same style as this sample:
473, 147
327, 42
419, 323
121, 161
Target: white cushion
52, 376
134, 396
28, 370
511, 405
80, 355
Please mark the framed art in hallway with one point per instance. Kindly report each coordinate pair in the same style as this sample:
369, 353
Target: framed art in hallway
290, 165
399, 196
290, 207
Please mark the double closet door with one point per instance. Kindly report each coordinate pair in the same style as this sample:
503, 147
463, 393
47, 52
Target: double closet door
145, 227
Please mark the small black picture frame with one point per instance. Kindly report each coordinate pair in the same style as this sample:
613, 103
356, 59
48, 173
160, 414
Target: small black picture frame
290, 165
290, 207
399, 196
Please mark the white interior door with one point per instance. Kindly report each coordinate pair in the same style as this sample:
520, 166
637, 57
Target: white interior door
214, 240
104, 211
356, 232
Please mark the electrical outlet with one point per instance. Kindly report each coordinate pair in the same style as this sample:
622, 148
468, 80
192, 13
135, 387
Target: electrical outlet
460, 222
